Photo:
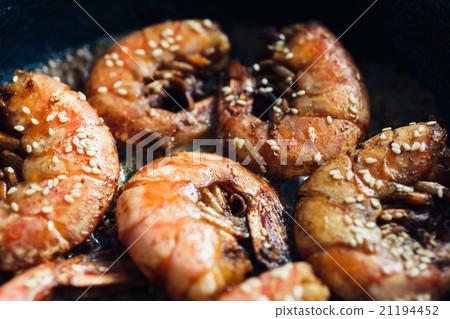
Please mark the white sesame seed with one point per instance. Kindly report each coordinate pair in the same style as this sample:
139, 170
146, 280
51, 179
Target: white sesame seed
139, 52
386, 129
370, 160
264, 81
353, 110
51, 117
423, 147
19, 128
208, 23
317, 157
415, 146
329, 119
289, 55
47, 209
10, 170
382, 136
367, 177
349, 175
359, 198
51, 131
375, 202
109, 63
363, 171
416, 134
81, 135
14, 206
334, 171
157, 52
69, 199
420, 128
406, 146
301, 92
46, 190
349, 200
15, 78
64, 119
34, 121
55, 159
102, 89
276, 109
152, 44
164, 44
35, 145
275, 148
87, 169
26, 110
396, 150
174, 48
256, 67
122, 91
29, 149
440, 192
11, 190
96, 170
50, 225
352, 98
117, 84
114, 56
241, 102
414, 272
431, 122
379, 184
294, 111
167, 32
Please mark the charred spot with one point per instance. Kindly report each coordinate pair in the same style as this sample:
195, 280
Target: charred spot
356, 159
361, 146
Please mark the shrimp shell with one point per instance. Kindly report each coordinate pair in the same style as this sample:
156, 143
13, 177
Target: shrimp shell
184, 239
64, 194
396, 247
324, 112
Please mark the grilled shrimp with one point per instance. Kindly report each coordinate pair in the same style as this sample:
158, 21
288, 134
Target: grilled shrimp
293, 281
165, 82
187, 218
381, 212
59, 170
82, 271
323, 113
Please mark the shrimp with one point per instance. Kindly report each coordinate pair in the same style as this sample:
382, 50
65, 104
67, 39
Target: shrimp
164, 83
60, 169
293, 281
380, 211
320, 104
82, 271
187, 218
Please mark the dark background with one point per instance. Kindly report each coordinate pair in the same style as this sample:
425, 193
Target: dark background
414, 36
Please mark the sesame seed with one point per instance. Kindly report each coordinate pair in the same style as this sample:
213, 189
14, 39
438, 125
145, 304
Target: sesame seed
382, 136
14, 206
15, 78
50, 225
375, 202
174, 48
396, 150
288, 56
10, 170
329, 119
271, 142
81, 135
47, 209
352, 98
358, 76
422, 147
414, 272
301, 92
29, 149
11, 190
122, 91
334, 171
348, 220
96, 170
431, 122
263, 169
226, 90
51, 117
64, 119
349, 175
34, 121
102, 89
367, 177
277, 109
164, 44
317, 157
275, 148
157, 52
415, 146
167, 32
241, 102
256, 67
117, 84
229, 98
152, 44
353, 109
370, 160
416, 133
46, 190
386, 129
109, 63
139, 52
19, 128
371, 225
359, 198
207, 23
349, 200
55, 159
26, 110
386, 217
440, 192
420, 128
69, 199
264, 81
87, 169
51, 131
35, 145
114, 56
294, 111
82, 96
406, 146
